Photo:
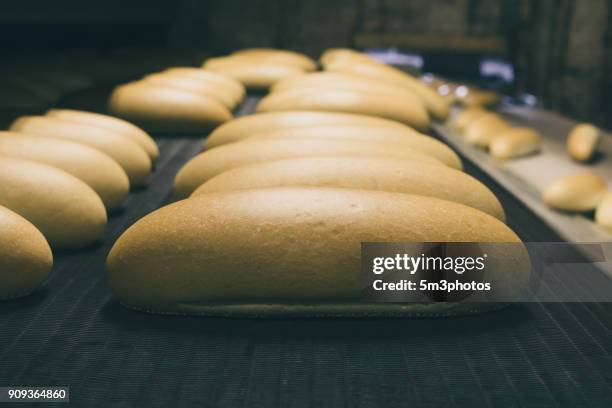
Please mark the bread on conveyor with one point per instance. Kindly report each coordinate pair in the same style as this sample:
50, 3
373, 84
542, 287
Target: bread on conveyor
96, 169
463, 119
130, 156
286, 56
162, 108
293, 251
120, 126
230, 86
407, 109
583, 141
65, 209
515, 142
220, 159
579, 192
367, 173
484, 128
25, 256
245, 126
406, 137
603, 213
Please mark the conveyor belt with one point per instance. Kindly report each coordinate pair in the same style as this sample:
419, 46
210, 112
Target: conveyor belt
73, 333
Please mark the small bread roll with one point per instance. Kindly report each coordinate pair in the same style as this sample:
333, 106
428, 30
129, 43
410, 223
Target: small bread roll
220, 159
515, 142
407, 109
367, 173
388, 136
230, 86
193, 84
583, 141
285, 56
65, 209
25, 256
465, 117
580, 192
99, 171
162, 108
124, 151
435, 103
603, 213
292, 248
253, 73
245, 126
484, 128
117, 125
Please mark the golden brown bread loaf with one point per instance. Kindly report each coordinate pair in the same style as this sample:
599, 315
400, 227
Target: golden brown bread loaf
229, 85
578, 192
407, 109
130, 156
583, 141
288, 248
96, 169
65, 209
393, 175
603, 213
120, 126
484, 128
25, 256
515, 142
193, 84
284, 56
465, 117
245, 126
162, 108
220, 159
388, 136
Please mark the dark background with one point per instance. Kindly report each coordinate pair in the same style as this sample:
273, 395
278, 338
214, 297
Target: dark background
562, 49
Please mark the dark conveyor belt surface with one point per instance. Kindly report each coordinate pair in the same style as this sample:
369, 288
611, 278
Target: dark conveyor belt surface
73, 333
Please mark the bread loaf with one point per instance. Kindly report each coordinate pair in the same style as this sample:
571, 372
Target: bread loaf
483, 129
223, 158
367, 173
583, 141
161, 108
96, 169
192, 84
578, 192
130, 156
245, 126
65, 209
281, 56
515, 142
288, 248
253, 73
603, 213
465, 117
389, 136
117, 125
407, 110
25, 256
230, 86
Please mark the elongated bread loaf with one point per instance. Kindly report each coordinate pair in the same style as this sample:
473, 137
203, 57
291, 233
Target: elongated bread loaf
253, 73
393, 175
124, 151
465, 117
603, 213
215, 161
583, 141
25, 256
289, 247
96, 169
435, 103
515, 142
407, 110
335, 53
245, 126
286, 56
578, 192
193, 84
120, 126
484, 128
162, 108
389, 136
232, 87
65, 209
